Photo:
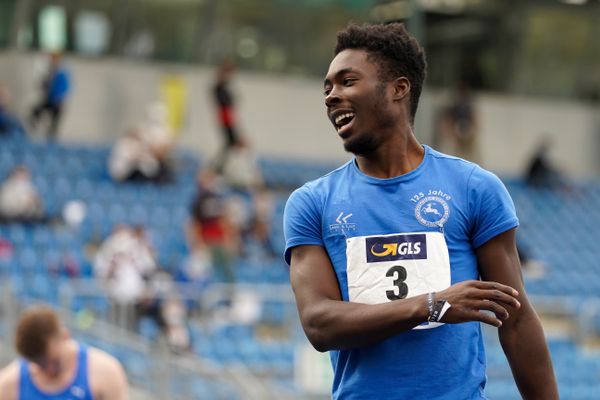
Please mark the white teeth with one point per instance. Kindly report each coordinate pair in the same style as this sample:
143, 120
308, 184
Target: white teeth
342, 116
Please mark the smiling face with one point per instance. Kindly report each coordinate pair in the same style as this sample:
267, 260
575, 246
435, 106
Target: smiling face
358, 104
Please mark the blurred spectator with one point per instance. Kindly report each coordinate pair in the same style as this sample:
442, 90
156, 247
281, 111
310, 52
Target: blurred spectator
176, 328
197, 268
263, 205
541, 173
225, 104
19, 199
129, 159
55, 89
65, 265
124, 261
9, 123
162, 303
197, 271
211, 227
258, 245
144, 153
241, 170
238, 216
459, 124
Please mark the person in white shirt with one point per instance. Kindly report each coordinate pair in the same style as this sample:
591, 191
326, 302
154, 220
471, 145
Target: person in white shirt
144, 152
19, 199
123, 262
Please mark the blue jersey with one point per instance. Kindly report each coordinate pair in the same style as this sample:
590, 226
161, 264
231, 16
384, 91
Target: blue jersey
79, 389
390, 239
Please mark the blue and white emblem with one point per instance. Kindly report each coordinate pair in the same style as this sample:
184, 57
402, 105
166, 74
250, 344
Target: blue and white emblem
432, 211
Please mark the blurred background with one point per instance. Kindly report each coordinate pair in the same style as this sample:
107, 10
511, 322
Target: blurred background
147, 148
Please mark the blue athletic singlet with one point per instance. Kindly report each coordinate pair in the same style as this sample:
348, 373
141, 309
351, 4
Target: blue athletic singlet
79, 389
389, 239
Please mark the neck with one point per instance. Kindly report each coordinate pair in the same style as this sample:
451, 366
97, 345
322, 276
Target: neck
399, 155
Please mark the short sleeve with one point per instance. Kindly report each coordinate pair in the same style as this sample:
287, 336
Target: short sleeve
301, 221
492, 210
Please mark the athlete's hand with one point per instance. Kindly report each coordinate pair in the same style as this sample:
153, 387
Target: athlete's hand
468, 298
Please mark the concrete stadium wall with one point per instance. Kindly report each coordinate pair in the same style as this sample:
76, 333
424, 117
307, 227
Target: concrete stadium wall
285, 116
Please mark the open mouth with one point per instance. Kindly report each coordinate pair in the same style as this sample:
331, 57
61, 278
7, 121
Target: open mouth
343, 120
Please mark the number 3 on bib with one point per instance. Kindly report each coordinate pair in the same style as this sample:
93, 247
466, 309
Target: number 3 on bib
374, 272
399, 284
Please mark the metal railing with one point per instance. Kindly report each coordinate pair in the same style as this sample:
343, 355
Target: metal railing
168, 368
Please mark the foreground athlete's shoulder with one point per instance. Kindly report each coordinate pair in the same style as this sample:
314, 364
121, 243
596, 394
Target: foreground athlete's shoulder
483, 179
106, 376
467, 169
101, 358
452, 164
100, 362
9, 381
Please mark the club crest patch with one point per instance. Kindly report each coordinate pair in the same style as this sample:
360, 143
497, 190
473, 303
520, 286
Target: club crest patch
432, 211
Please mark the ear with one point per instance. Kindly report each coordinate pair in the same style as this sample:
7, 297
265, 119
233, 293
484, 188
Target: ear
401, 87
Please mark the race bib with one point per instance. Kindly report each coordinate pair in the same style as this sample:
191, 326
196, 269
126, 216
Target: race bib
391, 267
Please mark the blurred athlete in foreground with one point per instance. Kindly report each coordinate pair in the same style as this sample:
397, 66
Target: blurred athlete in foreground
54, 366
396, 255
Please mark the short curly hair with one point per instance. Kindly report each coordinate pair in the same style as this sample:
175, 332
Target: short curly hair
393, 49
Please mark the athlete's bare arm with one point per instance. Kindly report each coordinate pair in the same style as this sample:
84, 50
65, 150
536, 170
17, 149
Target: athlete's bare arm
107, 377
9, 382
331, 323
521, 336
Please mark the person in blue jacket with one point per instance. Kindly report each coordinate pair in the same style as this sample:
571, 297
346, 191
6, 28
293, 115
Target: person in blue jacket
56, 88
399, 254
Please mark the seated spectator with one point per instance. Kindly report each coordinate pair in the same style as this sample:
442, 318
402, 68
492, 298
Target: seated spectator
197, 268
163, 303
9, 123
176, 327
540, 172
143, 154
130, 160
19, 199
124, 261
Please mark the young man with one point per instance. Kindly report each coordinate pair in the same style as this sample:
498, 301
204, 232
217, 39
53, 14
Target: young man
54, 366
395, 255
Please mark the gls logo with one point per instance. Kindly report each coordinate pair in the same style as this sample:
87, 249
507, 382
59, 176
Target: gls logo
396, 247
